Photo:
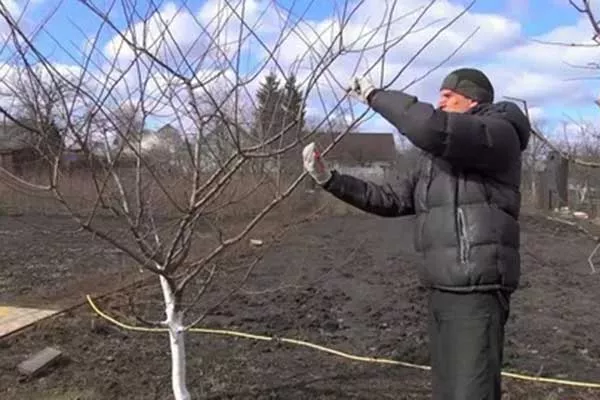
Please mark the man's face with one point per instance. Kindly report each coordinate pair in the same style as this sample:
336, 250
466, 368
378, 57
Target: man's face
450, 101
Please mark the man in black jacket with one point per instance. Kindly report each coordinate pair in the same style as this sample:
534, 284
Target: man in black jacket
466, 198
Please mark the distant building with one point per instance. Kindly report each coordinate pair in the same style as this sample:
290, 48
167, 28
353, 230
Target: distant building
369, 156
167, 139
160, 147
21, 148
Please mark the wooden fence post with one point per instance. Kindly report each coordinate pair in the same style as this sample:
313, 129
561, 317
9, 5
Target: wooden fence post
542, 194
553, 185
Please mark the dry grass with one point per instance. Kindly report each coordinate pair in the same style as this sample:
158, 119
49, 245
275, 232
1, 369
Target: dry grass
240, 200
243, 197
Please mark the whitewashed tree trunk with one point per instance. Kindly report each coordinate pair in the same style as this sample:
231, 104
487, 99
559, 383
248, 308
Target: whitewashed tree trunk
174, 322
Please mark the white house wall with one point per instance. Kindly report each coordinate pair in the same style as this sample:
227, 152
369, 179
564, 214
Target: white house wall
375, 173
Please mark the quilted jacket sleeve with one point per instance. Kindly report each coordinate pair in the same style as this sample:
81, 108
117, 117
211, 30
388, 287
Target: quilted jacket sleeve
387, 200
489, 143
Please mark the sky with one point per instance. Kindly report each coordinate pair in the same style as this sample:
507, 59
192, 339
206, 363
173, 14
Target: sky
506, 46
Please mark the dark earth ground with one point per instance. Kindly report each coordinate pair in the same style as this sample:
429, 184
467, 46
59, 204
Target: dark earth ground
345, 282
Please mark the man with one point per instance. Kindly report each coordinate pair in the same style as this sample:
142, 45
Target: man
466, 198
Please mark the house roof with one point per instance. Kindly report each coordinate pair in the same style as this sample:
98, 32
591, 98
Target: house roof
360, 147
170, 133
168, 129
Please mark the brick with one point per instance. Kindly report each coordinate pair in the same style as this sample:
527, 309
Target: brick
39, 361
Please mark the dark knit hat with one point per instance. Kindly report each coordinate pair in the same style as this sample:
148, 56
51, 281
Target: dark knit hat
471, 83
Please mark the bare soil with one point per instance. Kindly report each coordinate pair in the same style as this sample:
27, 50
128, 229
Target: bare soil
348, 282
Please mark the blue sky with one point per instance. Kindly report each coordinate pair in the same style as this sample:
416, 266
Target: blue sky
536, 16
503, 48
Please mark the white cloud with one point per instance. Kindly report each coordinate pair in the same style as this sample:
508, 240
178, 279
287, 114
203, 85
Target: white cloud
536, 113
368, 28
208, 38
539, 54
12, 6
309, 43
166, 32
545, 75
550, 74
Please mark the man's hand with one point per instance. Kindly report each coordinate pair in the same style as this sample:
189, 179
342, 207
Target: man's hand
361, 88
314, 164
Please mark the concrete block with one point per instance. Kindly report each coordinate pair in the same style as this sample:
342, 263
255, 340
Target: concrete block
39, 361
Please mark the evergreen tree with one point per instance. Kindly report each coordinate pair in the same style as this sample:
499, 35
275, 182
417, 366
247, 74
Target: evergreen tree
268, 114
278, 108
294, 108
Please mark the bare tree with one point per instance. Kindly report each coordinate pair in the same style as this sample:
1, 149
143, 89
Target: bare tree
533, 159
580, 146
201, 82
581, 140
36, 108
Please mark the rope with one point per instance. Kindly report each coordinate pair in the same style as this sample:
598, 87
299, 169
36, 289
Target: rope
564, 382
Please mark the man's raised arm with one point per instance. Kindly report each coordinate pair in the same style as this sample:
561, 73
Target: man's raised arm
486, 142
386, 200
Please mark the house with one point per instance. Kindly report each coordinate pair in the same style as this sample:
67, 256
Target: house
369, 156
160, 148
76, 158
165, 140
14, 143
22, 149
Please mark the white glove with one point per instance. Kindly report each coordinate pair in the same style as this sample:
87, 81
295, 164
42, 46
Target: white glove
361, 88
314, 164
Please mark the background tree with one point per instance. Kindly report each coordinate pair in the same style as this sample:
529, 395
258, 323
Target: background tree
269, 109
294, 108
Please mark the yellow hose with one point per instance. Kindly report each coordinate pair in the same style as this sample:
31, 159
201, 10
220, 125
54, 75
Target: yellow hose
591, 385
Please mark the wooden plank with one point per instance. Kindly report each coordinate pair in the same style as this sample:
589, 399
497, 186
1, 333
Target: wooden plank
39, 361
15, 318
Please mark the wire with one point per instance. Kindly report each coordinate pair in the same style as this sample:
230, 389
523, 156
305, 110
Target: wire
564, 382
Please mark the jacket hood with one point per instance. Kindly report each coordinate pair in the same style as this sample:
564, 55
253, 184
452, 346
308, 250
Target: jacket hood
511, 112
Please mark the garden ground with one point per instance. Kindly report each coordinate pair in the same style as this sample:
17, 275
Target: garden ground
346, 282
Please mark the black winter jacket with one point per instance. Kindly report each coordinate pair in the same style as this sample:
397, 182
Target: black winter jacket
464, 192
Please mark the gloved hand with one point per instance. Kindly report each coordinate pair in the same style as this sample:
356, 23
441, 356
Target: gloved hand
315, 165
361, 88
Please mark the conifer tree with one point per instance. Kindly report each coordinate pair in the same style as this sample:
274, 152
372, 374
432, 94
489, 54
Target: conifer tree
268, 117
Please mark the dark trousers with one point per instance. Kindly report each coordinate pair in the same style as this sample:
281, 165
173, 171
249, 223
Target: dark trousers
466, 336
